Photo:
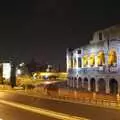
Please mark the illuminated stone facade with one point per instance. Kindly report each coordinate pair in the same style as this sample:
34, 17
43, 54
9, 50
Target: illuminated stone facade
96, 67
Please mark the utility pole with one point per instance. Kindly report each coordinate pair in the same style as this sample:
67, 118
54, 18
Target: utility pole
13, 74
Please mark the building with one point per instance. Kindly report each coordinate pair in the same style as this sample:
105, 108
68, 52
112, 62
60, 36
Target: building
5, 70
96, 66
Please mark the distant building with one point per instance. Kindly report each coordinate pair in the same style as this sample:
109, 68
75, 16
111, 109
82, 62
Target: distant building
96, 66
5, 70
50, 68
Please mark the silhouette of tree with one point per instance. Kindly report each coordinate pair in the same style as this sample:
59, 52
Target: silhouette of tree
32, 66
35, 66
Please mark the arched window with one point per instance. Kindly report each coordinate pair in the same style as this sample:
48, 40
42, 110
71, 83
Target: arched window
100, 58
112, 57
92, 60
85, 60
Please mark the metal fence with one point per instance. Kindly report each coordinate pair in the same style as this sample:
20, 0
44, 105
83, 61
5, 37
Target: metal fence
84, 97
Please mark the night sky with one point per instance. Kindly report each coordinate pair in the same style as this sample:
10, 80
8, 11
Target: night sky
43, 29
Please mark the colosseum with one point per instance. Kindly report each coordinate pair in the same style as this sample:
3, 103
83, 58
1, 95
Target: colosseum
96, 67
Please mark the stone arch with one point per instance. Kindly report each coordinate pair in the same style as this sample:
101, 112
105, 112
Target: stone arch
75, 82
100, 58
113, 83
86, 83
112, 57
101, 85
92, 84
71, 82
80, 82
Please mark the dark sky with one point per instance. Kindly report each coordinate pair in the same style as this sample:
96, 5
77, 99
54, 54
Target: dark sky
45, 28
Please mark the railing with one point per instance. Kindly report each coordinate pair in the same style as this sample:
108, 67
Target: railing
80, 97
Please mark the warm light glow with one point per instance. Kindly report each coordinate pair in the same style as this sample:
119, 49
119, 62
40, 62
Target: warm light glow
18, 72
41, 111
91, 60
100, 58
85, 60
22, 64
47, 82
112, 57
47, 74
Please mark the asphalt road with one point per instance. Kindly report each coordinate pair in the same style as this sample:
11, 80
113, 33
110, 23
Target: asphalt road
11, 113
90, 112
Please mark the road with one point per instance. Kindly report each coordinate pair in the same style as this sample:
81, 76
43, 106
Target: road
73, 109
11, 113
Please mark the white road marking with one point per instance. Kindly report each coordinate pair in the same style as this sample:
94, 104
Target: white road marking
41, 111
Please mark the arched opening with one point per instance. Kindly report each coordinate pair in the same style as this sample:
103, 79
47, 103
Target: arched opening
85, 83
100, 58
92, 84
92, 60
80, 82
68, 81
113, 86
71, 82
112, 57
75, 82
85, 60
101, 85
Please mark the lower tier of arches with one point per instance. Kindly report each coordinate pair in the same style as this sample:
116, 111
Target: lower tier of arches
93, 84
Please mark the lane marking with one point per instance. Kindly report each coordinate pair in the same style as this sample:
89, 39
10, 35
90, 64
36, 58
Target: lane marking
45, 112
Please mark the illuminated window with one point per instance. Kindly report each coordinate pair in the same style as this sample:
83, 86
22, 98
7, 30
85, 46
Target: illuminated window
92, 60
112, 57
100, 58
85, 61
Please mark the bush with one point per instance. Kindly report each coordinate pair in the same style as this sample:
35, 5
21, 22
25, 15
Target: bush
23, 80
28, 86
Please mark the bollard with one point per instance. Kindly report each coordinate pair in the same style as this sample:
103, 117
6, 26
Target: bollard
59, 92
75, 94
94, 95
26, 88
118, 97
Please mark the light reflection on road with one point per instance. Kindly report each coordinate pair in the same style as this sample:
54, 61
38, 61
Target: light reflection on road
45, 112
